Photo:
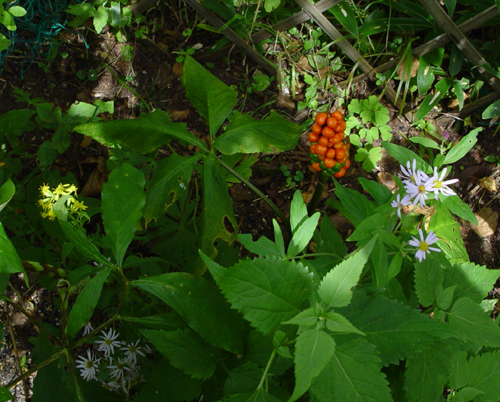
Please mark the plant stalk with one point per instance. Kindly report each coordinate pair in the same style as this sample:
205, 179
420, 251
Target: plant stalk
311, 208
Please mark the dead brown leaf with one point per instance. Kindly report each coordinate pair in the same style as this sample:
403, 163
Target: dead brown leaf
179, 114
402, 74
487, 220
177, 69
284, 102
95, 182
85, 142
386, 180
489, 184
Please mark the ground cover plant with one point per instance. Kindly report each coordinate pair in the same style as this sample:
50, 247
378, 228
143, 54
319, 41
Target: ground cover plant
157, 293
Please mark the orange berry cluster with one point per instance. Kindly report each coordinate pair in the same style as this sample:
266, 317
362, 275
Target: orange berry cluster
329, 146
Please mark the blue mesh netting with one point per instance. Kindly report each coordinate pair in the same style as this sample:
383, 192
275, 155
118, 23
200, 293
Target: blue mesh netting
43, 21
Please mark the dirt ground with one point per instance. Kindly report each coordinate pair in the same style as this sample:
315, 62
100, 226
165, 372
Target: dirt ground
156, 78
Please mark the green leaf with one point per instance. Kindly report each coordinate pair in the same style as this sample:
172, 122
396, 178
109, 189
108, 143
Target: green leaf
82, 244
271, 5
170, 180
485, 375
459, 93
243, 379
394, 328
7, 191
278, 237
338, 323
16, 122
456, 206
259, 395
381, 219
201, 306
302, 235
336, 287
10, 262
460, 150
46, 154
267, 291
298, 211
145, 134
122, 201
5, 395
446, 228
86, 302
313, 350
17, 11
344, 14
426, 142
426, 373
492, 111
246, 135
380, 193
425, 76
460, 373
217, 216
353, 374
372, 157
213, 99
262, 247
466, 394
440, 90
355, 106
429, 276
185, 350
473, 323
168, 384
100, 18
307, 318
404, 155
353, 205
473, 281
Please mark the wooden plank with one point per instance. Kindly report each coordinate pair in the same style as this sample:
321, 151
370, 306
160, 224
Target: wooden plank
462, 42
234, 37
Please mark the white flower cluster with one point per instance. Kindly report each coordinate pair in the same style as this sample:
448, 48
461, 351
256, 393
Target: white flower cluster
418, 186
122, 371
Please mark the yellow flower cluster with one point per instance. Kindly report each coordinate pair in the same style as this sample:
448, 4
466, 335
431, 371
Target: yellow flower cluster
50, 197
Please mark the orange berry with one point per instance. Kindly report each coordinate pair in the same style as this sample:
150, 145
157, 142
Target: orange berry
313, 137
316, 166
330, 154
338, 115
332, 123
340, 154
321, 119
321, 149
329, 163
340, 173
347, 164
328, 132
316, 129
341, 126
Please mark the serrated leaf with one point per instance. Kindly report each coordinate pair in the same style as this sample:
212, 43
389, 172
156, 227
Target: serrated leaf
469, 319
355, 106
395, 329
246, 135
338, 323
170, 180
86, 302
313, 350
460, 373
386, 132
122, 201
353, 374
336, 287
464, 145
267, 291
429, 278
213, 99
473, 281
144, 134
485, 375
328, 240
263, 247
445, 297
426, 373
185, 350
307, 318
243, 379
259, 395
201, 306
466, 394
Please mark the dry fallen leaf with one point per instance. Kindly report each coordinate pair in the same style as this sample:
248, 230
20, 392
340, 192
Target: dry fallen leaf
487, 220
284, 102
387, 180
414, 68
177, 69
179, 114
97, 178
86, 141
489, 184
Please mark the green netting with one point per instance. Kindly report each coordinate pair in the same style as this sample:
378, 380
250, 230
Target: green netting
37, 30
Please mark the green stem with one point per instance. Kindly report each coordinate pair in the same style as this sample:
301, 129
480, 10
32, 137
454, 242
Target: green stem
271, 204
268, 367
311, 208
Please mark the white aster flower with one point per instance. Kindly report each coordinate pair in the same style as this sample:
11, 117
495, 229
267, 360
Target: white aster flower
131, 351
440, 186
418, 190
134, 376
118, 383
87, 329
88, 366
117, 370
400, 204
411, 173
423, 244
108, 344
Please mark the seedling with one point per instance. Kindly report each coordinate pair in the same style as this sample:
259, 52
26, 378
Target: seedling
291, 181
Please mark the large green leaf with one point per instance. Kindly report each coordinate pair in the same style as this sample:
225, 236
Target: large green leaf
473, 323
144, 134
217, 215
485, 375
464, 145
426, 373
259, 395
429, 277
169, 384
213, 99
404, 155
82, 244
472, 281
398, 331
313, 350
86, 301
201, 306
246, 135
7, 191
446, 228
380, 193
302, 235
122, 201
267, 291
5, 395
353, 374
328, 240
336, 288
170, 180
185, 350
441, 89
9, 259
456, 206
243, 379
353, 205
262, 247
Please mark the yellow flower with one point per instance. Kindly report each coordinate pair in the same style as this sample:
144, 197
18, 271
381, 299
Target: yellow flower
72, 188
79, 205
45, 190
